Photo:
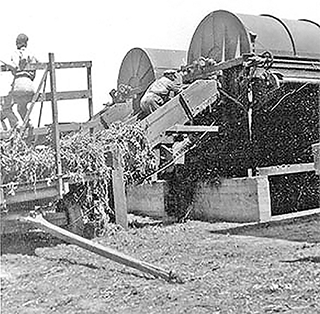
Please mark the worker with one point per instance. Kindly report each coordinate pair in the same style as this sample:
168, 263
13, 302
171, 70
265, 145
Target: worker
160, 91
22, 87
6, 112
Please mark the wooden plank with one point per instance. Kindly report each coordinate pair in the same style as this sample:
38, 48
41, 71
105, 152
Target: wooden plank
58, 65
56, 133
43, 189
49, 192
120, 200
198, 96
40, 222
264, 200
285, 169
42, 103
298, 214
178, 128
2, 201
89, 84
316, 157
73, 64
66, 95
34, 99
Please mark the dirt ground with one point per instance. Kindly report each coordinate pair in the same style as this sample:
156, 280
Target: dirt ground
226, 268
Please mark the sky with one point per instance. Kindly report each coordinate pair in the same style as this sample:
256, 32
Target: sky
103, 31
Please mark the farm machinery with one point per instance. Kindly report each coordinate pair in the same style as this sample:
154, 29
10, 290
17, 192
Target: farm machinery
249, 107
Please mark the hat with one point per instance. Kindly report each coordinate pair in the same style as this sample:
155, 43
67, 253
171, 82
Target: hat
22, 40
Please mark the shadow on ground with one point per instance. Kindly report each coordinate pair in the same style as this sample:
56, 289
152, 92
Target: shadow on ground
26, 244
302, 229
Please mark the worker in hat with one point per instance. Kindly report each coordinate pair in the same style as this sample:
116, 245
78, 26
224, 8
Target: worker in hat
23, 89
160, 91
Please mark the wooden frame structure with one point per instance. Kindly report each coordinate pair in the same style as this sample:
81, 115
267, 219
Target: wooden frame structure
265, 172
57, 188
53, 96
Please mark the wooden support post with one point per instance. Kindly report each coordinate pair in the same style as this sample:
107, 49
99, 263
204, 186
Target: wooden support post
33, 101
157, 153
120, 200
89, 83
316, 157
42, 101
2, 201
40, 222
55, 125
264, 198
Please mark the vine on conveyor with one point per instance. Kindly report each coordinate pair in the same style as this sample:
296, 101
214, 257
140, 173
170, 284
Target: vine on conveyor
82, 155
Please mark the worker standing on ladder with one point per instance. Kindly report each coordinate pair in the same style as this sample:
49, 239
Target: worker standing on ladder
23, 88
160, 91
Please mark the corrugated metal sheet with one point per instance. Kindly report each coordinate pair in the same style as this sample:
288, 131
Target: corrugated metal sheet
222, 35
140, 67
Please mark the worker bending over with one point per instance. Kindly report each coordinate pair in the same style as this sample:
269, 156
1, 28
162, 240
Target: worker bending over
160, 91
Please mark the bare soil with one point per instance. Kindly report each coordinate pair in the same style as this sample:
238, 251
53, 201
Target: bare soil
227, 268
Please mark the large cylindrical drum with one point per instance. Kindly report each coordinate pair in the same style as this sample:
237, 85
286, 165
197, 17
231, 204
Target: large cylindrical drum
222, 36
140, 67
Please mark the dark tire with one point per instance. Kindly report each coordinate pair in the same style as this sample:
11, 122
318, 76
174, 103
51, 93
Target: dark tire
76, 223
75, 220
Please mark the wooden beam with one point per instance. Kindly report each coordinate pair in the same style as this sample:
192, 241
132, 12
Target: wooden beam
298, 214
73, 64
55, 121
67, 95
120, 200
2, 200
39, 222
58, 65
89, 84
199, 95
33, 101
316, 157
48, 192
178, 128
285, 169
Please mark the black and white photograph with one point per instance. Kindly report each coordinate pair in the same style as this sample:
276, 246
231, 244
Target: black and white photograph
160, 157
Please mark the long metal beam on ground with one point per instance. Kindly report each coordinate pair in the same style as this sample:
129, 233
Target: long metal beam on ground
116, 256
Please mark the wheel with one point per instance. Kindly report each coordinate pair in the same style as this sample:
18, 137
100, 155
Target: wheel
76, 223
